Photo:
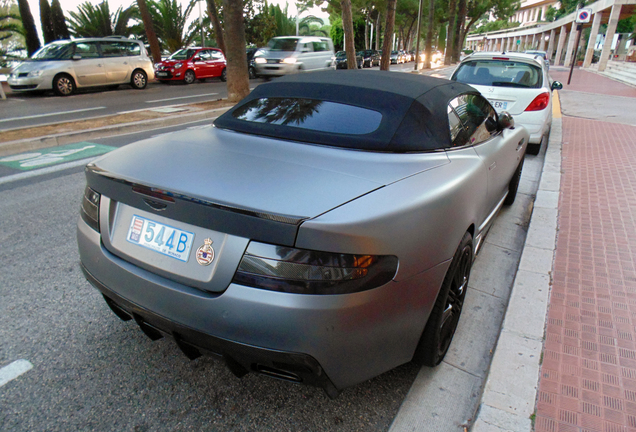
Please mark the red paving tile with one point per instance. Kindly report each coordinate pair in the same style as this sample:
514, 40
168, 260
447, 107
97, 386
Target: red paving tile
588, 375
591, 82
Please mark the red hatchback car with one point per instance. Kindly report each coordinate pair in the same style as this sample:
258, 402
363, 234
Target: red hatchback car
189, 64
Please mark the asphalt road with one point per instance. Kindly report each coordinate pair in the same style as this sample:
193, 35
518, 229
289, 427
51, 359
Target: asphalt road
92, 371
21, 110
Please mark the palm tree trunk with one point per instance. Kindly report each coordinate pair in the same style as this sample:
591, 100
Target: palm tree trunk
238, 81
155, 49
46, 21
388, 35
216, 23
30, 34
350, 43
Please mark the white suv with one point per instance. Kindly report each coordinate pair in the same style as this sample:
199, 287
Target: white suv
513, 82
65, 65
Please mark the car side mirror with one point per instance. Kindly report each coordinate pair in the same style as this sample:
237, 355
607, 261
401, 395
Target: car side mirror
76, 57
506, 121
556, 86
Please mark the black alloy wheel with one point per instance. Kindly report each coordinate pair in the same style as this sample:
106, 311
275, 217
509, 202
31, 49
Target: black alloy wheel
224, 75
513, 186
189, 77
442, 322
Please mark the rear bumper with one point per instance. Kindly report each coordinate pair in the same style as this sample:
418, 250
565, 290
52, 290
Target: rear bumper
536, 122
240, 358
332, 341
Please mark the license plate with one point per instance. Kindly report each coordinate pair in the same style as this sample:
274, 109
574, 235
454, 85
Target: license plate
160, 238
499, 104
161, 73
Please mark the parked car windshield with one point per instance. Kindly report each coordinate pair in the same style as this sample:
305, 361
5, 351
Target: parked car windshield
341, 54
286, 44
501, 73
311, 114
54, 51
182, 54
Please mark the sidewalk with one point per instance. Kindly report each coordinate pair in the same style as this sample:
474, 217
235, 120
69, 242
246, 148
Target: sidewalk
587, 369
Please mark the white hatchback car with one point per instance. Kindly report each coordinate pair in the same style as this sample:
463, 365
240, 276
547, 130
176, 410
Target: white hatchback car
517, 83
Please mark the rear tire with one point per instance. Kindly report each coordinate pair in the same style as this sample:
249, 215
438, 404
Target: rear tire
138, 80
442, 323
223, 76
513, 186
63, 85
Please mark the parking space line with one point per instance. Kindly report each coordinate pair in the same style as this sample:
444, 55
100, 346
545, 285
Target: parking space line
50, 114
48, 170
182, 97
14, 370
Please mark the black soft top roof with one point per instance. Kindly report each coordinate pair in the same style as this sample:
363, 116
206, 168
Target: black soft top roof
413, 108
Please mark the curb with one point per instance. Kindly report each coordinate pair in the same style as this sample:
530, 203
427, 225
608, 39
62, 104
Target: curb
509, 398
54, 140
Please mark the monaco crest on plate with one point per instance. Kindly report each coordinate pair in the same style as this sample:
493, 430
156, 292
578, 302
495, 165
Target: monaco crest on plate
205, 253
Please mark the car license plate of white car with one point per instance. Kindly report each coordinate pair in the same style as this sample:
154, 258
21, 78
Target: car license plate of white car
499, 104
160, 238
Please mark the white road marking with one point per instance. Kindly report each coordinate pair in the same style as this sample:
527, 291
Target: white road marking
182, 97
50, 114
14, 370
48, 170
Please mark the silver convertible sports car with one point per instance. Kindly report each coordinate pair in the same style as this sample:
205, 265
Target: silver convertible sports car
322, 231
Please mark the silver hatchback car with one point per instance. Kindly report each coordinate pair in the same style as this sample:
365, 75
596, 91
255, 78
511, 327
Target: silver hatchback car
66, 65
322, 231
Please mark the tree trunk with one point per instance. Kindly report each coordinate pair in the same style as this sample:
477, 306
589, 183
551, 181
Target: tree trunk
155, 49
366, 32
59, 22
452, 11
216, 23
377, 33
429, 34
30, 34
388, 35
459, 27
46, 21
350, 43
238, 80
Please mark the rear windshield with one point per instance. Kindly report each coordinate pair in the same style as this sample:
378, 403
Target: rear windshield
499, 73
312, 114
54, 51
287, 44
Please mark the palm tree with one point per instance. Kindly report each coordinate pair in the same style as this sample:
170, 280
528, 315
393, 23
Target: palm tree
169, 20
11, 38
91, 21
30, 34
155, 49
305, 27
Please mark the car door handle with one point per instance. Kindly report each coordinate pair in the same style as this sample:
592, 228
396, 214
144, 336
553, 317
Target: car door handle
520, 144
492, 166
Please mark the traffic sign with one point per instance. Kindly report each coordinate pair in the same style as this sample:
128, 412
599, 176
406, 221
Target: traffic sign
583, 15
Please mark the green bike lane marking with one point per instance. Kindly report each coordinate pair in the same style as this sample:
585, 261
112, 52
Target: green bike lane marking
54, 155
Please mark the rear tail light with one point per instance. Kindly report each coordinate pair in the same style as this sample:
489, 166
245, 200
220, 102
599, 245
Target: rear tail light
90, 208
301, 271
540, 102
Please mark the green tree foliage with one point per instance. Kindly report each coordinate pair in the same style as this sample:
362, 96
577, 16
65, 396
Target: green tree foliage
11, 32
28, 25
285, 25
46, 21
59, 21
260, 26
98, 21
170, 19
490, 26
